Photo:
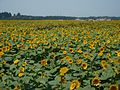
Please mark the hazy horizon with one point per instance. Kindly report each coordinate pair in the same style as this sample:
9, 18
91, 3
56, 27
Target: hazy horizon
77, 8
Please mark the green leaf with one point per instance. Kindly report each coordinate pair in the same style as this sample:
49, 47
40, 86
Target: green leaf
54, 82
107, 74
1, 65
86, 82
31, 62
11, 42
68, 77
26, 79
12, 67
54, 70
67, 85
42, 80
8, 58
106, 88
76, 74
87, 88
74, 67
5, 77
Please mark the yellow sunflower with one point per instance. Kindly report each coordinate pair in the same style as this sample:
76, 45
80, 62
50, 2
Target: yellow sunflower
63, 70
22, 69
17, 88
16, 61
74, 84
100, 53
21, 74
70, 61
64, 52
44, 62
79, 61
96, 81
84, 42
1, 54
79, 51
71, 50
113, 87
104, 64
84, 65
118, 54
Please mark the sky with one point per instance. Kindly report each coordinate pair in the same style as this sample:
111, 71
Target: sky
62, 7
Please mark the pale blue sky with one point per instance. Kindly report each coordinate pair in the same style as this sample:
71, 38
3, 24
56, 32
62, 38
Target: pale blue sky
62, 7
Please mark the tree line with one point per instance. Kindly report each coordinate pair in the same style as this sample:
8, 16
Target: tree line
18, 16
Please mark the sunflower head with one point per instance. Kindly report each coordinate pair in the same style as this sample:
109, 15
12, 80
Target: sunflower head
16, 61
113, 87
79, 51
100, 53
86, 55
105, 66
79, 61
44, 62
84, 65
64, 52
71, 50
74, 84
21, 74
17, 88
118, 54
96, 81
85, 42
63, 70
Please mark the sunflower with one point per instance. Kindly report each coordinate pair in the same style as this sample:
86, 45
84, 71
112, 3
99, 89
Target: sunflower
79, 51
44, 62
79, 61
113, 87
18, 45
74, 84
116, 70
102, 49
63, 81
16, 61
108, 41
4, 62
70, 61
91, 46
22, 69
100, 53
1, 49
63, 70
17, 88
105, 66
68, 57
4, 49
21, 74
24, 64
86, 55
64, 52
84, 65
1, 54
96, 81
71, 50
84, 42
103, 62
118, 54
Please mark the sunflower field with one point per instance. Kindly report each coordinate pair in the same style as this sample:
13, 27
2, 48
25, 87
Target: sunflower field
59, 55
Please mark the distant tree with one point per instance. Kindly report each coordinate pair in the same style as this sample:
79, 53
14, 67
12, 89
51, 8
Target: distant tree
18, 14
5, 15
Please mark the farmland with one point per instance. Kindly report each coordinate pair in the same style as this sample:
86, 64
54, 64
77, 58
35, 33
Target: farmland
59, 55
